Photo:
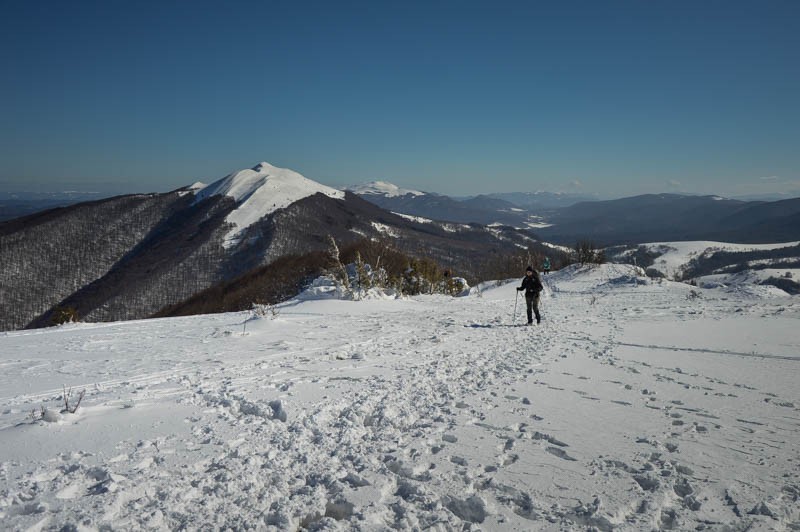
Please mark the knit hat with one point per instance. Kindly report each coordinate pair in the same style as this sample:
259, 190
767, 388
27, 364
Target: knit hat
529, 269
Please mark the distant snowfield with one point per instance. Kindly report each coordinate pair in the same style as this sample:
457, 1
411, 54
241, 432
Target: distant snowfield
538, 225
385, 229
418, 219
383, 188
677, 254
636, 405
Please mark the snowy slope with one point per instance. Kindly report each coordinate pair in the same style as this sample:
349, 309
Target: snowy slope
417, 219
382, 188
636, 405
260, 191
747, 279
677, 254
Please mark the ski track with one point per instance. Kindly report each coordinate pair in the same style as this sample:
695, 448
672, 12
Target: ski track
437, 414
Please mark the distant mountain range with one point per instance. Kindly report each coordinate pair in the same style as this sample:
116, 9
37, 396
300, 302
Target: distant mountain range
16, 204
518, 210
558, 217
565, 219
128, 257
543, 201
672, 217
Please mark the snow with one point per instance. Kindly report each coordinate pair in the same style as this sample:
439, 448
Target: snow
385, 229
382, 188
565, 249
636, 405
748, 279
538, 225
497, 232
418, 219
260, 191
326, 287
194, 188
677, 254
453, 228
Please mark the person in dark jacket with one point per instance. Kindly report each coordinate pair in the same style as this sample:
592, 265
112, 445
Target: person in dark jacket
532, 286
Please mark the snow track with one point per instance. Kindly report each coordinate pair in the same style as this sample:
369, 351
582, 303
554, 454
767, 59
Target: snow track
431, 413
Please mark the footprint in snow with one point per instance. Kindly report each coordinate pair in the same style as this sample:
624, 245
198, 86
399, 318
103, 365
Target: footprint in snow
623, 403
560, 453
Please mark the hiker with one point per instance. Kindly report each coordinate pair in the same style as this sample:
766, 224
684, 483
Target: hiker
532, 286
546, 265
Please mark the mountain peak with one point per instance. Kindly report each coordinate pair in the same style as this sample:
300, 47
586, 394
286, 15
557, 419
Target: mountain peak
263, 166
382, 188
260, 191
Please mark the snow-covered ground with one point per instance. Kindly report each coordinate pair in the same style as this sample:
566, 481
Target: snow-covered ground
746, 279
636, 405
676, 255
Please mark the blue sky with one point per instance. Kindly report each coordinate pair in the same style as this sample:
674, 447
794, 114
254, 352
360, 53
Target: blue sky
615, 98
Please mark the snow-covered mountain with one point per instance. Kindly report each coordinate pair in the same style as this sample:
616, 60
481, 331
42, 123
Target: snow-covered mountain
717, 263
568, 218
637, 405
129, 256
479, 209
382, 188
260, 191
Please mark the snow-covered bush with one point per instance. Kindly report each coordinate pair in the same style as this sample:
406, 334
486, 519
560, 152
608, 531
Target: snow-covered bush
382, 267
337, 269
261, 310
54, 416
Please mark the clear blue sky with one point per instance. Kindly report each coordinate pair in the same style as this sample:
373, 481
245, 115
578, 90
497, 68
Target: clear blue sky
617, 97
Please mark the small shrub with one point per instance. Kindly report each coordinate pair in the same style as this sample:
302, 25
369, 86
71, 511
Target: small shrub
64, 315
654, 273
336, 267
259, 311
587, 252
53, 416
67, 396
262, 310
787, 285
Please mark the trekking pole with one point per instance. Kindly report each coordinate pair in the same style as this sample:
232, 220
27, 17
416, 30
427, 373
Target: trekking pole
514, 318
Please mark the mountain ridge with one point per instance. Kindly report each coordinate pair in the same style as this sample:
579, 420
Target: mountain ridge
129, 256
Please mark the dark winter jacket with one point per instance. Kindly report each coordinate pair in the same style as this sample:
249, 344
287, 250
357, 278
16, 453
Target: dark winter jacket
532, 285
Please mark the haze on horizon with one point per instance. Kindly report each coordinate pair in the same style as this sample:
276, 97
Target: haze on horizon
459, 98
